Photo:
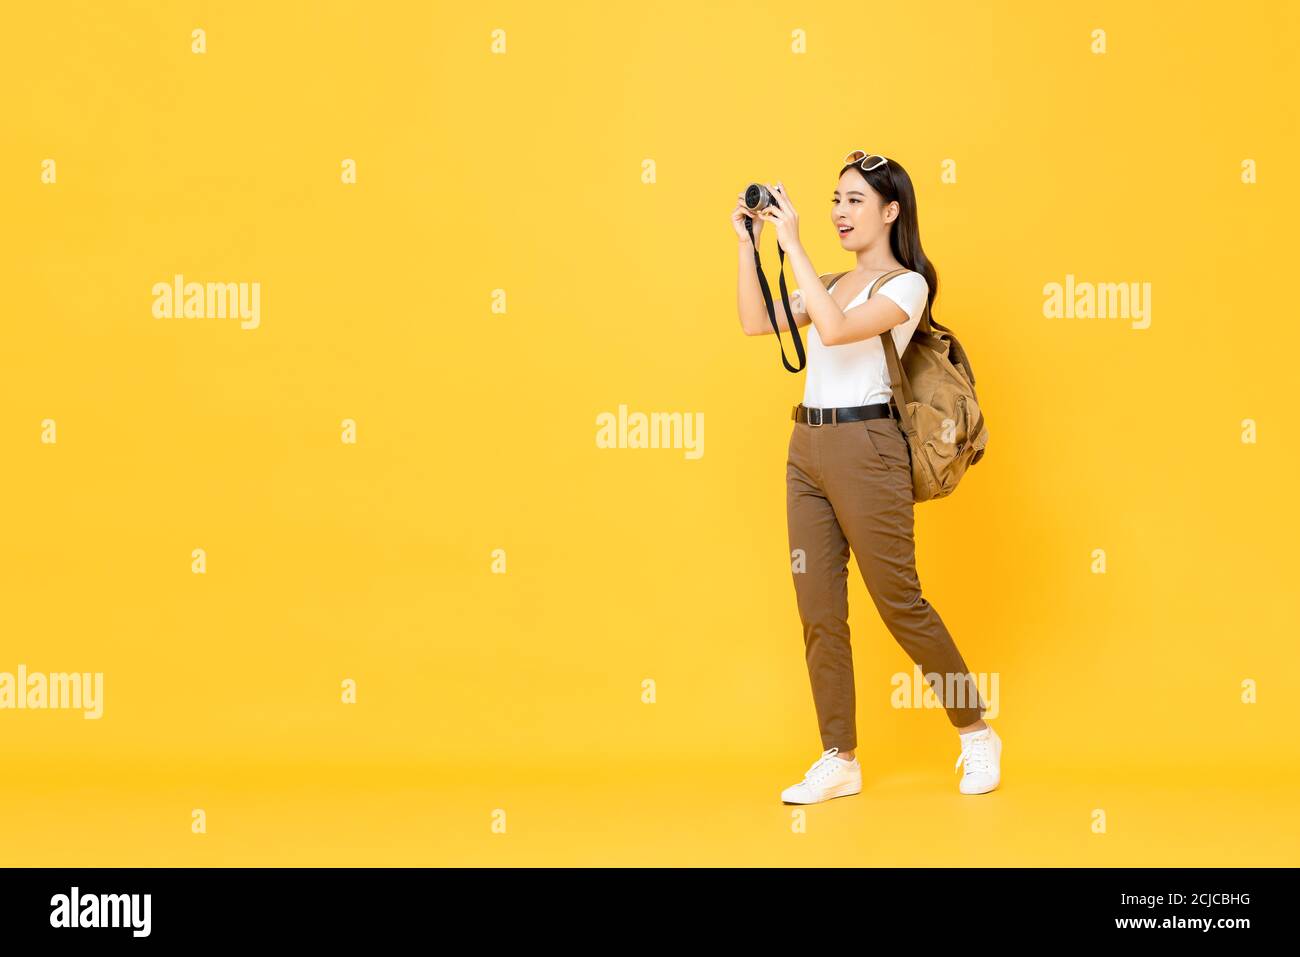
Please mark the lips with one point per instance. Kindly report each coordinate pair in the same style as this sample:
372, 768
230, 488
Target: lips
845, 230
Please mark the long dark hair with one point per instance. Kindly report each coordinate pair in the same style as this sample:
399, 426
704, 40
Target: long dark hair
891, 181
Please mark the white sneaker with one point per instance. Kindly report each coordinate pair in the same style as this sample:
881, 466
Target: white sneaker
829, 777
982, 753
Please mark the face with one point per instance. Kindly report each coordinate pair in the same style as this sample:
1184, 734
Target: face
856, 205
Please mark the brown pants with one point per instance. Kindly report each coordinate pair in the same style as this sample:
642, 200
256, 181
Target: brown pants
849, 484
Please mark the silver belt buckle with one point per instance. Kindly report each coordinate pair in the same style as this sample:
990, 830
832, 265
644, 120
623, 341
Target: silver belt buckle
820, 419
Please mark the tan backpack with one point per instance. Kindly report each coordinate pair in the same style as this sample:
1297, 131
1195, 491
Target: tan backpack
934, 397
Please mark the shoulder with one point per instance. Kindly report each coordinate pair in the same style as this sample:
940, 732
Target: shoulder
909, 290
910, 280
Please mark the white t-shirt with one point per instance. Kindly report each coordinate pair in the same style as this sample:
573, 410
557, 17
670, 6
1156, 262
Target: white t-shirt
856, 373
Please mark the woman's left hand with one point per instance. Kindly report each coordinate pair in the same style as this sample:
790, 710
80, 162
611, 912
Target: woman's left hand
783, 217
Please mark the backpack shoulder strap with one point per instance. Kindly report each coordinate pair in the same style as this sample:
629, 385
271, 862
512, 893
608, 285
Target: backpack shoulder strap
926, 326
885, 278
898, 384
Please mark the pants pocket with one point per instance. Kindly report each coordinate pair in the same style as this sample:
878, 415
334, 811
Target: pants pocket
888, 444
871, 448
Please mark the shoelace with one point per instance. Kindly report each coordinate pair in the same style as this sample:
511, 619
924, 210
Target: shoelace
978, 755
820, 766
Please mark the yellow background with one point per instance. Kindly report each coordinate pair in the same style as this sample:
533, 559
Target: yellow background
522, 691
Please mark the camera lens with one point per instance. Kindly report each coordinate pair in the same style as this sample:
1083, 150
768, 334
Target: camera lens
757, 197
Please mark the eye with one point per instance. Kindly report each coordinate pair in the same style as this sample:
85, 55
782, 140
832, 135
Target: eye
855, 201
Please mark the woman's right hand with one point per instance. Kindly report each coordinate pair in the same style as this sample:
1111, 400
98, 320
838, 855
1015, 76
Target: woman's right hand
738, 217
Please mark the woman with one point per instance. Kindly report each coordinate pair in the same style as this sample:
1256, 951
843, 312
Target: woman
848, 472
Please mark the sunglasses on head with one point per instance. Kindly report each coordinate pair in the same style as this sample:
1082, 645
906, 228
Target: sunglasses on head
862, 158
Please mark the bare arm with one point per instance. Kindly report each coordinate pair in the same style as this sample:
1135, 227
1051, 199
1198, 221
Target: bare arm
836, 327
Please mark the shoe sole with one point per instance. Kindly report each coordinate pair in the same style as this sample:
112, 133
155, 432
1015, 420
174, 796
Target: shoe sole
831, 795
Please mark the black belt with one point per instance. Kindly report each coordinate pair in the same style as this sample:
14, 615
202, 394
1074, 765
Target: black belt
853, 413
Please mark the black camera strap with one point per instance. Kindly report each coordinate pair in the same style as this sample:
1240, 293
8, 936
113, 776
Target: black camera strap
771, 308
